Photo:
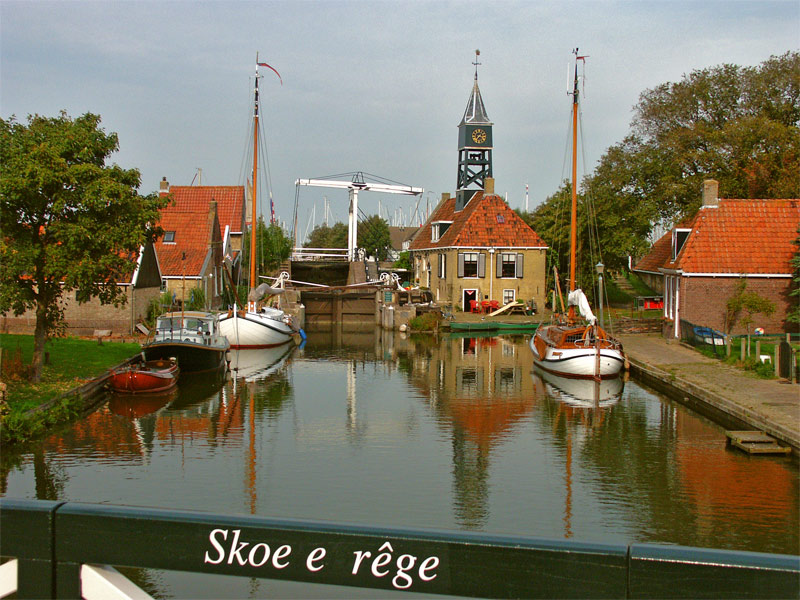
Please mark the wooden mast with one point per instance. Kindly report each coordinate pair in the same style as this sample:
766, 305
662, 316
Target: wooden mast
573, 228
253, 222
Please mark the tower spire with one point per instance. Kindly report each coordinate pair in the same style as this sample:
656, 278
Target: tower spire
474, 145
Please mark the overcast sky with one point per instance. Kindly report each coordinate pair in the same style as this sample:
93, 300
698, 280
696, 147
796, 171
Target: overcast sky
369, 86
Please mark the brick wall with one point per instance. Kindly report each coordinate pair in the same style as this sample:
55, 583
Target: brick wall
703, 302
83, 319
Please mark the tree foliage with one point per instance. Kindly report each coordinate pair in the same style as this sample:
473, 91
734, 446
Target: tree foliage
794, 313
751, 303
374, 237
738, 125
70, 223
273, 247
324, 236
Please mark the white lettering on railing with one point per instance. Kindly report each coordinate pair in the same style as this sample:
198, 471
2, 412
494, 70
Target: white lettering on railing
379, 566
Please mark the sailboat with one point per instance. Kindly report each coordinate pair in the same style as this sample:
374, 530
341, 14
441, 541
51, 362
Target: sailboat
570, 348
257, 326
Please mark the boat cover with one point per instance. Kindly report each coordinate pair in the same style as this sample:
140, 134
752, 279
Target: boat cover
578, 298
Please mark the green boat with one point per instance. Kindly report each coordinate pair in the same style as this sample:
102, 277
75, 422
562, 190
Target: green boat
498, 326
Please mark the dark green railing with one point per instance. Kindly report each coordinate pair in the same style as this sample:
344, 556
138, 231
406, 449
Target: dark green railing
51, 540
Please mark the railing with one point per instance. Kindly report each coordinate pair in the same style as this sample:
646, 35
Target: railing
319, 254
59, 545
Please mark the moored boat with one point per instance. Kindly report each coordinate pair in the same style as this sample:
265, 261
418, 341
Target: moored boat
145, 377
568, 347
191, 337
257, 326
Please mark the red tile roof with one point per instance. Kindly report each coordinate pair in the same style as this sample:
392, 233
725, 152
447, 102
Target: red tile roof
736, 237
192, 236
229, 198
486, 221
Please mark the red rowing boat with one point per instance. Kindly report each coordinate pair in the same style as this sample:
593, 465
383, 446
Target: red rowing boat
145, 377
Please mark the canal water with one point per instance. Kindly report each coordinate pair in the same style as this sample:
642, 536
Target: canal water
381, 429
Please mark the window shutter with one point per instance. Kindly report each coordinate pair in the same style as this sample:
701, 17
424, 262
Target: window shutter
444, 266
460, 265
498, 272
481, 265
519, 265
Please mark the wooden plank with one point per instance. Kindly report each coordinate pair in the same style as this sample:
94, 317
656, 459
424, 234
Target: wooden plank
750, 436
756, 442
503, 308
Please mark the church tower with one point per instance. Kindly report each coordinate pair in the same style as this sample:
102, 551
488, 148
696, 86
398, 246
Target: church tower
474, 146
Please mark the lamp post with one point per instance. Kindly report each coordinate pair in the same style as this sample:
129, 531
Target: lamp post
599, 269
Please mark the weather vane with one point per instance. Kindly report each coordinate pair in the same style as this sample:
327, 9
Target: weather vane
476, 63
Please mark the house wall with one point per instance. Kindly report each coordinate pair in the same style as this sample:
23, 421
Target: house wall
655, 281
83, 319
450, 288
703, 302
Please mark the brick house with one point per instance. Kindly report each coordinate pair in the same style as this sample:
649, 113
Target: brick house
190, 252
231, 204
484, 251
140, 288
702, 260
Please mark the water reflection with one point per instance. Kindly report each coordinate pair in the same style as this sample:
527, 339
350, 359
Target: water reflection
414, 431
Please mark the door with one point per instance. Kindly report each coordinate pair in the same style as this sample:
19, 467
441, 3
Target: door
467, 296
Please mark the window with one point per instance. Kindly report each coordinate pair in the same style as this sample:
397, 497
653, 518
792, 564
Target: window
471, 264
509, 265
501, 219
169, 237
442, 266
679, 237
438, 229
509, 296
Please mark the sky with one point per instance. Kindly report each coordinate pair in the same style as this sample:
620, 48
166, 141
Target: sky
372, 86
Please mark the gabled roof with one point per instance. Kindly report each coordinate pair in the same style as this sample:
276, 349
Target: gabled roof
229, 198
752, 237
192, 237
398, 235
486, 221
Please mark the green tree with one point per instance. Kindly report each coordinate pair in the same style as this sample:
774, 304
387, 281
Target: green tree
793, 315
324, 236
273, 247
69, 221
374, 237
751, 303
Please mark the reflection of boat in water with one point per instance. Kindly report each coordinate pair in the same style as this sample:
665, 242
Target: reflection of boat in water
258, 363
581, 393
134, 407
145, 377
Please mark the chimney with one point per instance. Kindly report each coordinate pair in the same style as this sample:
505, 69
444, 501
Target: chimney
445, 196
710, 192
488, 186
163, 189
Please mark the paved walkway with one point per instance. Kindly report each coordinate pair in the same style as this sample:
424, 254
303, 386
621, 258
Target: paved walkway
767, 405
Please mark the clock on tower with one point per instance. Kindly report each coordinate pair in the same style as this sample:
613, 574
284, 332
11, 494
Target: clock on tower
474, 146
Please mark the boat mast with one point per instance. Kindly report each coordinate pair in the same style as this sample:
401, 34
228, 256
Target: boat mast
255, 187
573, 229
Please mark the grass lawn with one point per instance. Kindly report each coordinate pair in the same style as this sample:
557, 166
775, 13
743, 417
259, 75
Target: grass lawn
72, 362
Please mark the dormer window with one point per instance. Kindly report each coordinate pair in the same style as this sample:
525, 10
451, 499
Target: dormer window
679, 237
169, 237
438, 229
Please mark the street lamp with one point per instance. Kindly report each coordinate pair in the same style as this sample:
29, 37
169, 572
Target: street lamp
599, 269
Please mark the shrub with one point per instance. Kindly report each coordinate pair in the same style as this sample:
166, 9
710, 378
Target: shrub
425, 322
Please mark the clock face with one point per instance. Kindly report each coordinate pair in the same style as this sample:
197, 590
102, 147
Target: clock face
478, 136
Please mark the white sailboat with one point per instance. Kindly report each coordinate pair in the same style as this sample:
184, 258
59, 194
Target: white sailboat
257, 325
567, 347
